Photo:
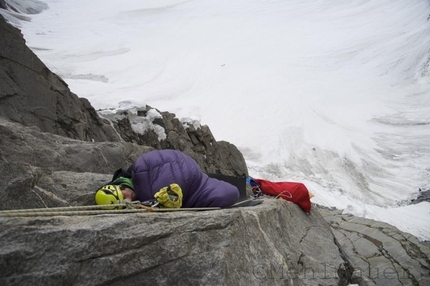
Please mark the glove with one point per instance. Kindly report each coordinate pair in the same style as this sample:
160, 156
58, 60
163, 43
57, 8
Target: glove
170, 196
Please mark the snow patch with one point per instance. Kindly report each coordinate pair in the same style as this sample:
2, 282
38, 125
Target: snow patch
140, 119
187, 122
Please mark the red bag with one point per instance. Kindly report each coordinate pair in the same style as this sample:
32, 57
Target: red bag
290, 191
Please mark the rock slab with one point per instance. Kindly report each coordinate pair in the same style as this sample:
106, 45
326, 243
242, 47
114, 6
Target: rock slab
380, 253
274, 243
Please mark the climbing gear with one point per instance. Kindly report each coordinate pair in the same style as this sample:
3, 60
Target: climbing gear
247, 203
170, 196
72, 210
257, 192
255, 187
110, 196
283, 195
151, 203
130, 207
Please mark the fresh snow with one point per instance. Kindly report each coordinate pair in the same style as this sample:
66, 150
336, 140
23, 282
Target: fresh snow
334, 94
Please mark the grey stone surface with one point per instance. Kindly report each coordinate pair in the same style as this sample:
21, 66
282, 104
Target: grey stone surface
423, 196
31, 163
34, 96
379, 252
38, 167
213, 156
274, 243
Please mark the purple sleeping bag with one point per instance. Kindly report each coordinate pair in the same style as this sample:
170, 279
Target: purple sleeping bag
157, 169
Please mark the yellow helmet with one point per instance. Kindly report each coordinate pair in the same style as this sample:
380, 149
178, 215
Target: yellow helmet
108, 195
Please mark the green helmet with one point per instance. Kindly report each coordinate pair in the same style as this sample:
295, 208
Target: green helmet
108, 195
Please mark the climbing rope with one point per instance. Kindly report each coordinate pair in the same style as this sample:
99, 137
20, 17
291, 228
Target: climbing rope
283, 196
131, 207
68, 213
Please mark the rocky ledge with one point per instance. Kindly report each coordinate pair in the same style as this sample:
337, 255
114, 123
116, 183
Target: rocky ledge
380, 253
274, 243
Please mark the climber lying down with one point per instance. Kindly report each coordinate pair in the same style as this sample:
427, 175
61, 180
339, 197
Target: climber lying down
172, 178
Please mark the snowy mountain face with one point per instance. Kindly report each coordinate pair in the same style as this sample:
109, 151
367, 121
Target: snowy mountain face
334, 94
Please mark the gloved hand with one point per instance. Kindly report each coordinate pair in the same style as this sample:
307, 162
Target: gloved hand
170, 196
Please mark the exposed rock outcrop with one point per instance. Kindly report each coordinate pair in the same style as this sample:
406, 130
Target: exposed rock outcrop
423, 196
31, 161
274, 243
380, 253
34, 96
163, 130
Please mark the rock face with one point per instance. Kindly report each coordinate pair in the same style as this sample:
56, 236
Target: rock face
31, 160
166, 131
34, 96
39, 169
274, 243
423, 196
379, 253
